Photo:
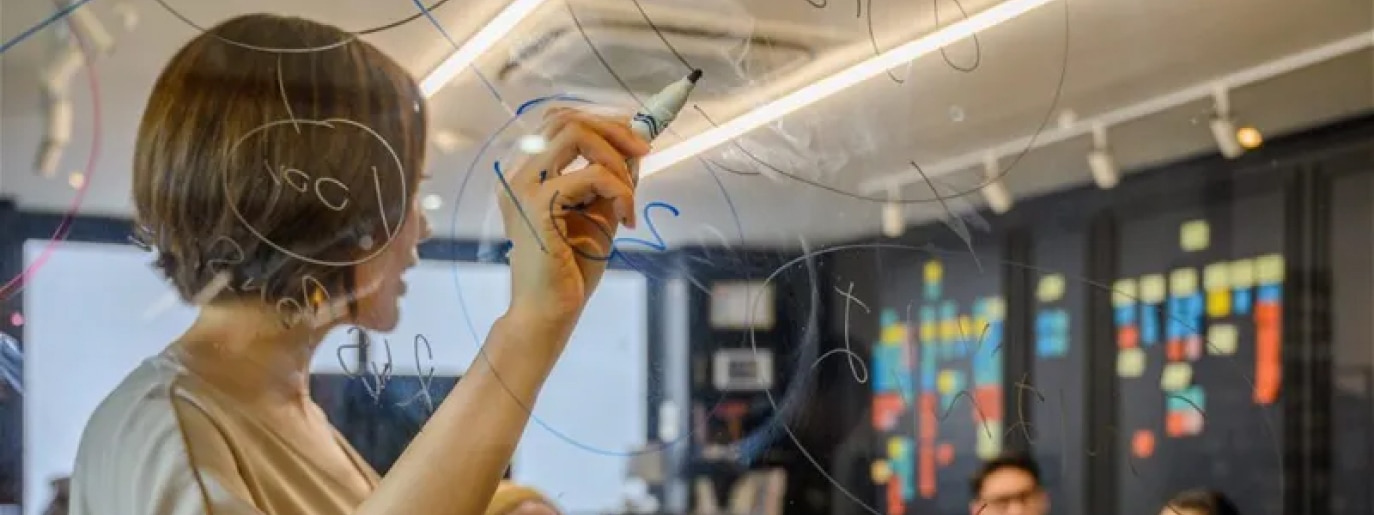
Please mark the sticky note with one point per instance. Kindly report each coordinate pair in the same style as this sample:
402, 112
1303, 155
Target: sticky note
887, 317
927, 332
949, 330
1143, 443
895, 333
1183, 282
1050, 289
1130, 362
1269, 269
1242, 273
881, 472
1216, 276
946, 382
967, 332
1222, 339
1152, 289
989, 439
1176, 377
996, 308
934, 271
1194, 235
1218, 303
1124, 292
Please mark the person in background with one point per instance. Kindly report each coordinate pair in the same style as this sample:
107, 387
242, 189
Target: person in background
275, 177
1009, 485
1200, 502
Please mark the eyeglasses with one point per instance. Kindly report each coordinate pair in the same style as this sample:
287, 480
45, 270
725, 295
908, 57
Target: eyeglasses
1000, 503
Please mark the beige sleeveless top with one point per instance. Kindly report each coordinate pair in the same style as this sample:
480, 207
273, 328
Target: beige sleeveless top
165, 443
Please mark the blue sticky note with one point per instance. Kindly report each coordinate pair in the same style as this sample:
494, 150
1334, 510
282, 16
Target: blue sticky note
1125, 315
887, 360
1173, 324
1149, 325
949, 310
928, 372
1240, 301
1271, 293
1191, 398
932, 290
888, 317
928, 315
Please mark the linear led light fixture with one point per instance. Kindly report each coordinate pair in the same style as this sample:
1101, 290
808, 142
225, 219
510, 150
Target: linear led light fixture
1269, 70
869, 68
491, 33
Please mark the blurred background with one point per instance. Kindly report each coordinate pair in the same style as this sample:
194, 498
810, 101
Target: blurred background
886, 242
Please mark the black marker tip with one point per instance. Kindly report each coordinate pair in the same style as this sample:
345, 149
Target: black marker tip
694, 76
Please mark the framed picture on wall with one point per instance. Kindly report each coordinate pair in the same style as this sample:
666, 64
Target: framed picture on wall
742, 305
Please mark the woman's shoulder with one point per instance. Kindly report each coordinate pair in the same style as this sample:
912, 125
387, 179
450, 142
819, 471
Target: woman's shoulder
140, 412
140, 439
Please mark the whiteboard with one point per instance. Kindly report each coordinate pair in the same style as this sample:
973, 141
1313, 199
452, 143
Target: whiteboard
95, 311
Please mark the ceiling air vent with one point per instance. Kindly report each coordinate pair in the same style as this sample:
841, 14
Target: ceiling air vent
730, 54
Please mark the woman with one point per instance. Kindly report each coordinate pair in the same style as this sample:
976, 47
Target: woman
278, 189
1200, 502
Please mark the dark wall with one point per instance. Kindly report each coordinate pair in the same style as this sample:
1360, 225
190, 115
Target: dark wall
1089, 422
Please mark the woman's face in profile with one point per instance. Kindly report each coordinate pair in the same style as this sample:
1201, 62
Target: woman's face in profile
379, 284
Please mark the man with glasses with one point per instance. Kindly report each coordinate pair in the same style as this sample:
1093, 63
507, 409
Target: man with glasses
1009, 485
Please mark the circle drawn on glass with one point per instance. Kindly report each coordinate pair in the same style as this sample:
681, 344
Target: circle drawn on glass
327, 123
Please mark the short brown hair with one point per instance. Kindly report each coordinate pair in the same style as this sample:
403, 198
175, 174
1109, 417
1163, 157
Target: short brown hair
274, 151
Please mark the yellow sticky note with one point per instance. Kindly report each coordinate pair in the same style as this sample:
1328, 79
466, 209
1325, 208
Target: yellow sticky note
1183, 282
895, 333
1124, 292
1218, 303
1243, 274
945, 381
881, 472
1176, 376
1194, 235
1050, 289
966, 329
989, 439
1222, 339
1269, 269
934, 271
927, 332
1130, 362
949, 330
997, 308
1152, 289
895, 446
1216, 276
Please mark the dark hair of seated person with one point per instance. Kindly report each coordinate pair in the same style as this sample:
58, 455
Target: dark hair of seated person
1016, 461
1210, 502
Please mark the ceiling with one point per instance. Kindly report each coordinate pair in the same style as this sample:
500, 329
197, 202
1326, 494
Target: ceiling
792, 180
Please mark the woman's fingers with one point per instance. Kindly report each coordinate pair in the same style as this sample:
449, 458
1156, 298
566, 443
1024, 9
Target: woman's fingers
616, 130
594, 184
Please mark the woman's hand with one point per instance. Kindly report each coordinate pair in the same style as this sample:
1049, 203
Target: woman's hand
562, 227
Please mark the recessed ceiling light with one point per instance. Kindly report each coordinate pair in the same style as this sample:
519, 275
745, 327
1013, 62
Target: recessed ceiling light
431, 202
76, 180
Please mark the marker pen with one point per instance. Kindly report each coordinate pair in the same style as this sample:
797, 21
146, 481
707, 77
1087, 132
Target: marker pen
658, 111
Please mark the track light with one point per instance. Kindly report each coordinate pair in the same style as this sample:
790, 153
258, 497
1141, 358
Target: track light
994, 192
1223, 128
1249, 137
1101, 162
894, 219
55, 140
